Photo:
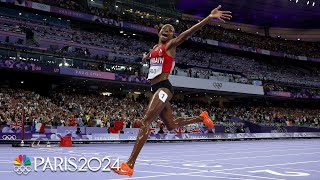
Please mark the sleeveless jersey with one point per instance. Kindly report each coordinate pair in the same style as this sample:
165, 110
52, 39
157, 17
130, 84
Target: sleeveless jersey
160, 62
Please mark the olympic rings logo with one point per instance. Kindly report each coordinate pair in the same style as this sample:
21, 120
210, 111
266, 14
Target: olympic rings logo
9, 137
217, 85
69, 131
22, 169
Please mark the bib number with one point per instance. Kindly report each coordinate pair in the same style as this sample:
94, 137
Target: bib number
163, 96
154, 71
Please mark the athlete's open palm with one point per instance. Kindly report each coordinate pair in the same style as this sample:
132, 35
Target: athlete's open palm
221, 15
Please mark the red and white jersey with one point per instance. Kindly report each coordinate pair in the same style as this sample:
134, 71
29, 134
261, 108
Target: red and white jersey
160, 62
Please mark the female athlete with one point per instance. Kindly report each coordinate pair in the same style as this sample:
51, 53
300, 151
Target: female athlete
161, 64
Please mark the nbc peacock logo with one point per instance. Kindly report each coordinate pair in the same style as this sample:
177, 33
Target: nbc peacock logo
22, 165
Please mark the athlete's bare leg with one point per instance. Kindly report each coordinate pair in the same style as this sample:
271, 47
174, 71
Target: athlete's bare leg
156, 105
167, 118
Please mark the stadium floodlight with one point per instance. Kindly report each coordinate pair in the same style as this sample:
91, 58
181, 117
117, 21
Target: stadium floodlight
314, 3
308, 2
20, 14
133, 34
106, 93
121, 32
297, 1
117, 6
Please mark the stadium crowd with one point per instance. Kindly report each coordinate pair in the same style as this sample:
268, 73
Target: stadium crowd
291, 91
65, 109
209, 64
215, 32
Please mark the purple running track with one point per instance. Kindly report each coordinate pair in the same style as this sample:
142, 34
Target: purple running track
255, 160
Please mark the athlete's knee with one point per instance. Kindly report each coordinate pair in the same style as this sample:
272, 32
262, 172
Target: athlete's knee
144, 124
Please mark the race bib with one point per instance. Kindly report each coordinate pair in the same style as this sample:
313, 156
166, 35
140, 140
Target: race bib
154, 71
163, 96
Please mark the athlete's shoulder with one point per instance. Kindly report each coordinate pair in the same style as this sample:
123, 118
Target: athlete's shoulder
154, 46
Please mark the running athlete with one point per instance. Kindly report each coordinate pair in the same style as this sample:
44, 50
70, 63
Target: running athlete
161, 64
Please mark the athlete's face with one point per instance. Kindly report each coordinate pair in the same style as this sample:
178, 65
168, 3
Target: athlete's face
166, 33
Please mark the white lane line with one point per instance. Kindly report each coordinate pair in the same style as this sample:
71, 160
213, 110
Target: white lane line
261, 177
224, 149
178, 177
142, 177
153, 172
254, 157
227, 159
300, 169
206, 171
218, 177
245, 152
184, 168
268, 165
6, 171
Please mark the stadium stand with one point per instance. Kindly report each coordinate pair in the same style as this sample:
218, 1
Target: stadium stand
94, 49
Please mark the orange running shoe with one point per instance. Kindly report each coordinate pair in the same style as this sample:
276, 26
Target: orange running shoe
123, 170
207, 120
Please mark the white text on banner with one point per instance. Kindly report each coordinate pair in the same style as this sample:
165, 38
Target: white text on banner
42, 7
303, 58
212, 42
207, 84
266, 52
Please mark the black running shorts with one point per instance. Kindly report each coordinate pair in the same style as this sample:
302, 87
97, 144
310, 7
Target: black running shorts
162, 84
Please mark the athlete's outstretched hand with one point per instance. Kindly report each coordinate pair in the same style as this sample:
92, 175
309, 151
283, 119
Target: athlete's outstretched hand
144, 57
221, 15
215, 14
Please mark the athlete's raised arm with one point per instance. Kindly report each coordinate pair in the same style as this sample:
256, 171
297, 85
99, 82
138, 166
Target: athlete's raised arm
145, 57
215, 14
